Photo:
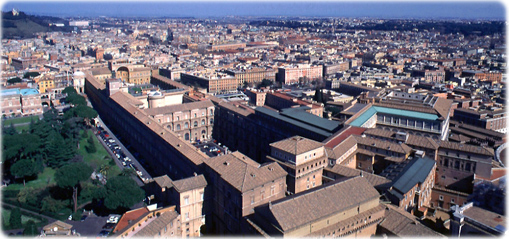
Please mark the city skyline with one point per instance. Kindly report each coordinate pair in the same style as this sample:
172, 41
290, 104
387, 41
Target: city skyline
491, 10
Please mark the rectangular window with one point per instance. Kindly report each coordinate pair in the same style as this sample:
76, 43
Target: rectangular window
252, 200
187, 216
186, 201
201, 196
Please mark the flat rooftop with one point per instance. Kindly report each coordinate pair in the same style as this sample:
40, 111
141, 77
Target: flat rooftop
399, 112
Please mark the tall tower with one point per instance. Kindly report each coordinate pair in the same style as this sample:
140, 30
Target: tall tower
169, 35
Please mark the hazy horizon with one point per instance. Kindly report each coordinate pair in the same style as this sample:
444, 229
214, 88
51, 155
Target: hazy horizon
420, 10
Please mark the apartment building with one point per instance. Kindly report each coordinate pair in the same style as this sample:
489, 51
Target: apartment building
292, 74
190, 121
303, 159
239, 184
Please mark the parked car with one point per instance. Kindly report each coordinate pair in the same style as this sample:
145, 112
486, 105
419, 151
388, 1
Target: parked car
103, 233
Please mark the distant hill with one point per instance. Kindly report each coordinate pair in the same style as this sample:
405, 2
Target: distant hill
21, 25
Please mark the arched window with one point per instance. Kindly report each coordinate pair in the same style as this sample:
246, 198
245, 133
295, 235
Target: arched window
211, 112
195, 124
178, 127
168, 127
194, 115
202, 122
186, 136
186, 125
211, 121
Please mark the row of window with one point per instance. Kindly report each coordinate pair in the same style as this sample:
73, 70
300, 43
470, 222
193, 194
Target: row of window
186, 125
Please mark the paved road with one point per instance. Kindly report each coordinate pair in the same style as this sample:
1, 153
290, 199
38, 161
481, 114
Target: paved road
126, 152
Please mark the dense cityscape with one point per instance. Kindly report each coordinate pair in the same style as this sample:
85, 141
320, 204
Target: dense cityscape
257, 126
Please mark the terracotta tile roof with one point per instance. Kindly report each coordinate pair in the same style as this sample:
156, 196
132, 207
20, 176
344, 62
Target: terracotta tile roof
341, 148
485, 217
126, 97
412, 140
184, 147
384, 145
466, 148
338, 137
344, 171
243, 173
170, 82
308, 206
378, 210
403, 224
190, 183
163, 181
132, 216
100, 71
406, 107
157, 225
91, 79
296, 145
443, 107
58, 223
180, 107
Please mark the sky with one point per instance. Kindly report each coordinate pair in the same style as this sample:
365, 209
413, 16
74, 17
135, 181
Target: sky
202, 9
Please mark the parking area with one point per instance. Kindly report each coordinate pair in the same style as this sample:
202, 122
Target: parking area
119, 152
211, 147
92, 225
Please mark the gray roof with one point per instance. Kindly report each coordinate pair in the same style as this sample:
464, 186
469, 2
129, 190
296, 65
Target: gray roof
291, 121
300, 114
414, 172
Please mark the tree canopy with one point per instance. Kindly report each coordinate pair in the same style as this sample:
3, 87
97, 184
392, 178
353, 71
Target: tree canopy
122, 191
72, 174
30, 229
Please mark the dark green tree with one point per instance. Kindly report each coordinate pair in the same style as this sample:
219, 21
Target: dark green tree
69, 91
23, 168
30, 229
50, 204
30, 74
70, 176
91, 145
76, 100
59, 151
84, 135
11, 130
14, 80
15, 218
122, 191
318, 97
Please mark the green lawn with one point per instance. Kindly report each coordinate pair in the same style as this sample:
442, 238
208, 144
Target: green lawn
43, 180
6, 213
99, 158
27, 119
22, 127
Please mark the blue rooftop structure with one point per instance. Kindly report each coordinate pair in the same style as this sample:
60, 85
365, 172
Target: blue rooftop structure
359, 121
10, 92
29, 91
